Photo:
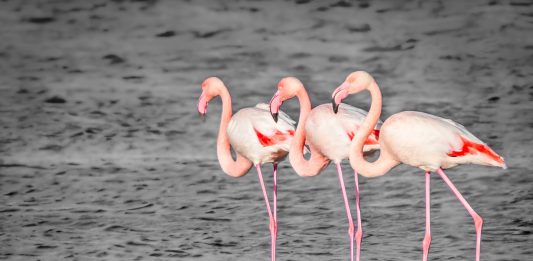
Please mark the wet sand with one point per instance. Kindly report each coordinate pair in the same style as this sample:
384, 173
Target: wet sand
103, 157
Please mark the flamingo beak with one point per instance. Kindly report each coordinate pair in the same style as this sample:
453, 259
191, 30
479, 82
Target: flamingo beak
338, 95
202, 107
275, 103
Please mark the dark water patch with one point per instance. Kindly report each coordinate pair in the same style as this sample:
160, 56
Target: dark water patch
338, 59
98, 113
169, 33
444, 31
88, 211
301, 2
133, 243
35, 224
114, 181
46, 246
113, 59
119, 228
77, 134
9, 210
521, 3
250, 9
40, 20
252, 55
133, 77
359, 28
206, 192
228, 46
395, 48
299, 55
52, 147
141, 212
12, 193
84, 224
141, 207
451, 57
341, 4
240, 197
493, 99
212, 219
29, 79
318, 253
209, 34
93, 130
177, 253
220, 243
75, 71
55, 99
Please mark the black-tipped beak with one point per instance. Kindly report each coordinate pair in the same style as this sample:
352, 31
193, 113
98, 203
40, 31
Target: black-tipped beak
334, 105
275, 116
202, 116
274, 105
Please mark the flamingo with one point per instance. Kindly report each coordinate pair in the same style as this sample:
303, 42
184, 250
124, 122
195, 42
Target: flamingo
256, 139
328, 135
417, 139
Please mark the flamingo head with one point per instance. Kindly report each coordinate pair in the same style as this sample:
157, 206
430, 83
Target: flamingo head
354, 83
288, 87
210, 89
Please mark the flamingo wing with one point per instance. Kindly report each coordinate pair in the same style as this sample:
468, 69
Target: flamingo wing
351, 119
265, 130
466, 143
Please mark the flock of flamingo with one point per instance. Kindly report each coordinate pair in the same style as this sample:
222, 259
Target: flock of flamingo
337, 131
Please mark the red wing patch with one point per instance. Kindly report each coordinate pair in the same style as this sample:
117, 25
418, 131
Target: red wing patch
274, 139
372, 138
471, 148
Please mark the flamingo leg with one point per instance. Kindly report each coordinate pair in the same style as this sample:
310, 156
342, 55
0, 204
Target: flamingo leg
427, 238
478, 221
276, 193
359, 233
348, 212
272, 220
275, 206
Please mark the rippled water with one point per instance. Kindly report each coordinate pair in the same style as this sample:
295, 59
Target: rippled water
103, 156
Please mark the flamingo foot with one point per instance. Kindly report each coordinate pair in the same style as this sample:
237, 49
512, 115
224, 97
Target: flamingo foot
478, 222
358, 239
425, 246
273, 236
351, 235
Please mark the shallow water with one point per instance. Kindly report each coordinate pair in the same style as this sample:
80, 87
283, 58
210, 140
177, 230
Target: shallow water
119, 167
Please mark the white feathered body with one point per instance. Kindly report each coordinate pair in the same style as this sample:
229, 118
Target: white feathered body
428, 142
331, 133
254, 134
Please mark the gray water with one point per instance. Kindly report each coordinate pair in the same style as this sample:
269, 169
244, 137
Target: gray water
103, 156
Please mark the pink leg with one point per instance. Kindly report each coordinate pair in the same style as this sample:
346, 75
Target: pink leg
276, 193
478, 221
427, 237
275, 206
272, 220
359, 233
348, 212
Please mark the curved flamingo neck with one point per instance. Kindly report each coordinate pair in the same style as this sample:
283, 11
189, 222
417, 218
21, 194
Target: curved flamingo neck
317, 162
385, 162
240, 166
